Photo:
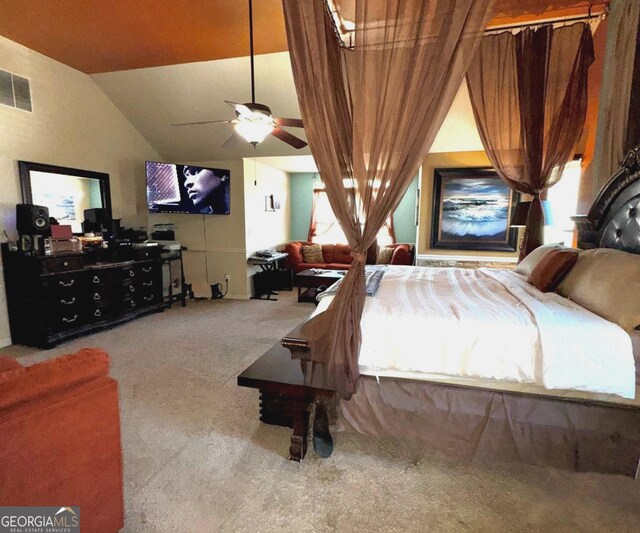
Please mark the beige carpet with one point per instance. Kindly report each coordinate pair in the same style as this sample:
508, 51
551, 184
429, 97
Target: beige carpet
196, 459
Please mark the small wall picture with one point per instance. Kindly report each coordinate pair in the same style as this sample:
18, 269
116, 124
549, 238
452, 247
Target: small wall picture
271, 203
472, 210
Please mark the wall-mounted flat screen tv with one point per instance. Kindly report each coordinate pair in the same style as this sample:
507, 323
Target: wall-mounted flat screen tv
187, 189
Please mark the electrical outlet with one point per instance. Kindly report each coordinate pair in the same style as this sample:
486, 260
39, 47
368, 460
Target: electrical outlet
227, 277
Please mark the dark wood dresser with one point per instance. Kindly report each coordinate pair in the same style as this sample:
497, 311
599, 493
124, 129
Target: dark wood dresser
54, 298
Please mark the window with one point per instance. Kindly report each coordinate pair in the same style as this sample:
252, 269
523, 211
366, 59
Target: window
561, 205
325, 229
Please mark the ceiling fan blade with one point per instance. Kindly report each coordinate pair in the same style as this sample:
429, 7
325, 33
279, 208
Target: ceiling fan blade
231, 141
203, 122
292, 122
241, 109
285, 136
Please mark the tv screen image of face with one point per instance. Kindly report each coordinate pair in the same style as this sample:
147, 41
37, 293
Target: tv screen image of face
175, 188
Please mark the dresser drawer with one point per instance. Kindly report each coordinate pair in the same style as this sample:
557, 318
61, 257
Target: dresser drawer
99, 294
67, 320
99, 311
148, 284
64, 284
141, 254
147, 269
128, 272
130, 304
99, 277
149, 298
128, 289
65, 302
62, 264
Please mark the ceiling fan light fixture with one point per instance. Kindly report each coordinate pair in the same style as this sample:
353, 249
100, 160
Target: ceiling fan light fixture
254, 131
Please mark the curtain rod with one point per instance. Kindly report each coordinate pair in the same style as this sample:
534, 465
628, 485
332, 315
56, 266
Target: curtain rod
542, 22
334, 15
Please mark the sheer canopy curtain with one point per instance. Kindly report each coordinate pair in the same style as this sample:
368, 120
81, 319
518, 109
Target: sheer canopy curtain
371, 114
529, 97
615, 91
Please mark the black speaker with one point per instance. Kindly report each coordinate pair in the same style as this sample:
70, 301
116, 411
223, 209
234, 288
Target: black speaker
32, 219
96, 216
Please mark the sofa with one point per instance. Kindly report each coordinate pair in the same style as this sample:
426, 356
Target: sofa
338, 256
60, 435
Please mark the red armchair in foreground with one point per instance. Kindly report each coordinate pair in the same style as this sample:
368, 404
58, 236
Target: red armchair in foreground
60, 438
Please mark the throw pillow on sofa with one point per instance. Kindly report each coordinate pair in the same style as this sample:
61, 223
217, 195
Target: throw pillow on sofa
402, 255
312, 253
384, 255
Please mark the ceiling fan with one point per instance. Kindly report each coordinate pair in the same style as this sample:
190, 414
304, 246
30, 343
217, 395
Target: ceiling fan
255, 121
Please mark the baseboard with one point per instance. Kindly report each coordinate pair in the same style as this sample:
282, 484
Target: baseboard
237, 297
5, 342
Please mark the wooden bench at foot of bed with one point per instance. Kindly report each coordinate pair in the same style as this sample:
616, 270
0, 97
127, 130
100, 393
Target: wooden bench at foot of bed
284, 398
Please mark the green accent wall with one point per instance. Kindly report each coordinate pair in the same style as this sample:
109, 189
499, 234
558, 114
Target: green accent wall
404, 218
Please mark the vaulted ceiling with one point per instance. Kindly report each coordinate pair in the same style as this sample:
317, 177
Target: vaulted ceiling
167, 61
105, 36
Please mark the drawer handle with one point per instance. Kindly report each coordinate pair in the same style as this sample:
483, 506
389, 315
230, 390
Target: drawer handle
131, 273
96, 296
132, 303
69, 320
63, 284
148, 298
70, 302
97, 312
146, 270
96, 279
132, 288
66, 263
147, 283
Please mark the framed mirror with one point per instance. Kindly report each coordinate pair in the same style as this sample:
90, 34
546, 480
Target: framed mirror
67, 192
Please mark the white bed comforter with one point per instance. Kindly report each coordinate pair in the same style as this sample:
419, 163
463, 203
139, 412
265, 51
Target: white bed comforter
490, 324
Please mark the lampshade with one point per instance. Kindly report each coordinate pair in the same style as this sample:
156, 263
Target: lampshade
520, 214
254, 131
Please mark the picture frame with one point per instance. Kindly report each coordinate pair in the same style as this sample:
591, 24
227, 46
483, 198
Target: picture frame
472, 209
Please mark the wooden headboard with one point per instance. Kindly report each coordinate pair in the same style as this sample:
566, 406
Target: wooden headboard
614, 218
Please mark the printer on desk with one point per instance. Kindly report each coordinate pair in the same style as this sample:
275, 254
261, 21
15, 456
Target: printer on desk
163, 232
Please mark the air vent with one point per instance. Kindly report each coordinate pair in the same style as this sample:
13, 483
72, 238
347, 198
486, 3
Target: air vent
15, 91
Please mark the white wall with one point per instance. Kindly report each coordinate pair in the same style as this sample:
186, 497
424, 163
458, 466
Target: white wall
73, 124
265, 229
215, 243
220, 244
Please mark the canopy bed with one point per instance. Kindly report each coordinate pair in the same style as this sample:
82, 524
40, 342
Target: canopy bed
569, 398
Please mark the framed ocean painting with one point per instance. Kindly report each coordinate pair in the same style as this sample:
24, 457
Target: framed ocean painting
471, 210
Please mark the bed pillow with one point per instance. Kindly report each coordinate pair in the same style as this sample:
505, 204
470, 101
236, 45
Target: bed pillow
552, 268
312, 253
607, 282
384, 255
528, 263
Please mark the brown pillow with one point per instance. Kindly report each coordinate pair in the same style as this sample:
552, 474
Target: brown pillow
528, 263
384, 255
312, 253
552, 268
607, 282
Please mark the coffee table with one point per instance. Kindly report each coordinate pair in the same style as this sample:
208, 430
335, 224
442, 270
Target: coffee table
308, 282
